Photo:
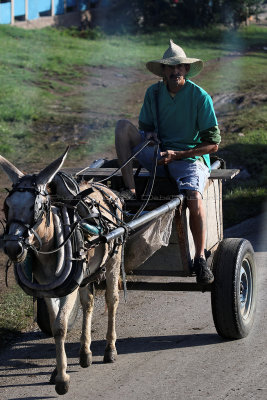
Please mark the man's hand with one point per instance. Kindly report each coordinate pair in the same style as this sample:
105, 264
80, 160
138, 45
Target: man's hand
199, 150
152, 136
168, 157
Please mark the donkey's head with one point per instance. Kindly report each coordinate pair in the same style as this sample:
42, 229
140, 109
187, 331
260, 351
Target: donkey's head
26, 205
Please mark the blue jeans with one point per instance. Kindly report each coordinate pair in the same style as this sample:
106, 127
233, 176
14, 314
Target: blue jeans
188, 175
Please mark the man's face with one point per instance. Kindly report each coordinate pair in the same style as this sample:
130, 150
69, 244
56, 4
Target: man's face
175, 75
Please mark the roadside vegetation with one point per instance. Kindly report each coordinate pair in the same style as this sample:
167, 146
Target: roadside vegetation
60, 86
16, 314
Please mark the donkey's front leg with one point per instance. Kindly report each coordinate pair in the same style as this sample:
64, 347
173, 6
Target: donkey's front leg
59, 329
87, 301
112, 300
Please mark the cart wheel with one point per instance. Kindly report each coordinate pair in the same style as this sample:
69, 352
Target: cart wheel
43, 316
233, 297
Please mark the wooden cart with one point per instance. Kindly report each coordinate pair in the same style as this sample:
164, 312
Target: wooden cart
233, 293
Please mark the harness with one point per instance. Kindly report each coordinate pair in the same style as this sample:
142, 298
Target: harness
40, 208
75, 271
72, 206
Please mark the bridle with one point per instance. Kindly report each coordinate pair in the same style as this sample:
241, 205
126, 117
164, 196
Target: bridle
71, 274
40, 209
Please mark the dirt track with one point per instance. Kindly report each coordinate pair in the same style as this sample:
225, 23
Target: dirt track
167, 344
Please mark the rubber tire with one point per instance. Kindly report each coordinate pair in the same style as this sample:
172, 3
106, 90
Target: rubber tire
43, 316
225, 294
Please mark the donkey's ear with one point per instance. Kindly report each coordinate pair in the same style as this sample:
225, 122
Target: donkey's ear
48, 173
13, 173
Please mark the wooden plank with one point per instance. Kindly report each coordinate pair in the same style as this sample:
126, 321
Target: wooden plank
212, 202
100, 173
91, 172
169, 286
182, 236
224, 173
142, 274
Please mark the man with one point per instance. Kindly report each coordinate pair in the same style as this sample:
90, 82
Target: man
183, 116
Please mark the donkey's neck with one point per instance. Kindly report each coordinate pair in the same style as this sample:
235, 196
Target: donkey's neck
45, 264
46, 234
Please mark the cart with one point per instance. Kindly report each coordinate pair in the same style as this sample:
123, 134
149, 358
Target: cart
234, 290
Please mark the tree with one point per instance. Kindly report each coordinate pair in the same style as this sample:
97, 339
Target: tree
235, 12
149, 15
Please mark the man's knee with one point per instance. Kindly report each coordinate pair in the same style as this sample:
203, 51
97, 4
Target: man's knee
194, 200
126, 134
122, 125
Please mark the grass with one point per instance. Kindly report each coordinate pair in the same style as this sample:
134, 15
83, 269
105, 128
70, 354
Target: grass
40, 71
246, 197
16, 313
52, 94
243, 200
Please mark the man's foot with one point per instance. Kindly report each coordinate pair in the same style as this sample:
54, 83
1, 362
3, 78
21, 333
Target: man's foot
127, 194
203, 272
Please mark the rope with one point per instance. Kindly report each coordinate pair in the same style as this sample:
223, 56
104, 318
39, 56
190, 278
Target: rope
146, 143
156, 149
77, 223
151, 182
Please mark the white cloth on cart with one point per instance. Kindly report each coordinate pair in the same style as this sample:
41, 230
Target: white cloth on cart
147, 240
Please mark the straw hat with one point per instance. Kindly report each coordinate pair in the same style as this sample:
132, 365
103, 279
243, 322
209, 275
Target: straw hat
175, 55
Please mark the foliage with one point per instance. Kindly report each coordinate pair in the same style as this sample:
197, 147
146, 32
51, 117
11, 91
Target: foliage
16, 311
234, 12
246, 196
242, 201
148, 14
89, 33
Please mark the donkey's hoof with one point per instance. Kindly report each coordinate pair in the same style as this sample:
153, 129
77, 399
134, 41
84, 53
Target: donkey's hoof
52, 379
85, 359
110, 355
62, 387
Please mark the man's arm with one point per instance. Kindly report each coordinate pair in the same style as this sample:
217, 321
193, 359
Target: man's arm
199, 150
210, 144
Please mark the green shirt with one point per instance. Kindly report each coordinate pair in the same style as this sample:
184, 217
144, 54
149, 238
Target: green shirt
185, 120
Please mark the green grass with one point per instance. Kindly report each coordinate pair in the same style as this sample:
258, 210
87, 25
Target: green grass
247, 197
16, 312
241, 202
49, 98
41, 69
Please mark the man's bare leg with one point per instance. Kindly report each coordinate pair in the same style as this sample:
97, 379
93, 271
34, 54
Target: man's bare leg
197, 221
126, 137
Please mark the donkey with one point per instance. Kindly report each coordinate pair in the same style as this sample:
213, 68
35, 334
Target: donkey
31, 224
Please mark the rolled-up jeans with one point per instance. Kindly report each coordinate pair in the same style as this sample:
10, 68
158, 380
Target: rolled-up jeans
188, 175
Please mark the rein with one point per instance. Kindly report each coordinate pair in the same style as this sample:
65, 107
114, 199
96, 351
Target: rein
157, 144
149, 188
40, 208
146, 143
71, 274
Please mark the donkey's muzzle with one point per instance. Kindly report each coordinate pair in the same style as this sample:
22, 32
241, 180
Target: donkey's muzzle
15, 250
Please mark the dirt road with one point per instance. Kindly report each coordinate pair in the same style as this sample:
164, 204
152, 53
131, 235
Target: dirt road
167, 344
